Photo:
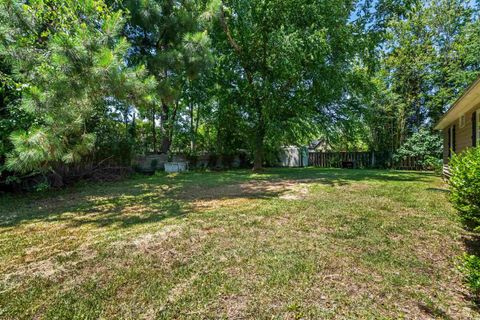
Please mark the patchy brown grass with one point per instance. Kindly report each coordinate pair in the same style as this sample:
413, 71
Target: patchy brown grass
288, 244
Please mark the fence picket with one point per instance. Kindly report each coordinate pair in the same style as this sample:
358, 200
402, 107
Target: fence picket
363, 160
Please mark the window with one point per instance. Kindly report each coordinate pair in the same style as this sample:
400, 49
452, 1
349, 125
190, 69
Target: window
462, 121
449, 142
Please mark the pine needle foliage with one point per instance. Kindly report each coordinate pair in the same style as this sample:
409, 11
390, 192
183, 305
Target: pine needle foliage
71, 60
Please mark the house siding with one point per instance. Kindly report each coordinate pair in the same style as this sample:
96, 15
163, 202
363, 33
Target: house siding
463, 136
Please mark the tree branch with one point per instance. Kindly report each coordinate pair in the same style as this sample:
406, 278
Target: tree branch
227, 31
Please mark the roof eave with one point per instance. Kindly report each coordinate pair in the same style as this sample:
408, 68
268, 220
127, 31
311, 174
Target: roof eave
443, 122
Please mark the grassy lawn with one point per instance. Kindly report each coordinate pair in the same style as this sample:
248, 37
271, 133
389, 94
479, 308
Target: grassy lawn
293, 243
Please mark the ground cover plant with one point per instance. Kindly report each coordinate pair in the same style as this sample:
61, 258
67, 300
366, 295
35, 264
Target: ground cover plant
286, 243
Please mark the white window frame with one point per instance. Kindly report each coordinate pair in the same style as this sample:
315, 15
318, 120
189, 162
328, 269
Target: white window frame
462, 121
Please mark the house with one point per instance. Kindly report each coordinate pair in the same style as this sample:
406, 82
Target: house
461, 124
320, 145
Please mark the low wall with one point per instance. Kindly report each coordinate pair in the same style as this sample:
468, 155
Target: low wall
152, 163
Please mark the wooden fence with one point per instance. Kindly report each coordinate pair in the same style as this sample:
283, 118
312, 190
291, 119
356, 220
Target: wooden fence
362, 160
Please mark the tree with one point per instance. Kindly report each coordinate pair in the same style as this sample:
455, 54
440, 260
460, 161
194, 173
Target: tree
69, 59
422, 145
11, 116
168, 37
427, 56
283, 62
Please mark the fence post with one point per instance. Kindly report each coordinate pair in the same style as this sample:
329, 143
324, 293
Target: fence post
373, 159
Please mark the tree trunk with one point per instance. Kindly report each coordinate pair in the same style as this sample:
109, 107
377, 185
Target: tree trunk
259, 146
166, 142
192, 130
258, 158
154, 132
166, 139
195, 133
169, 115
125, 121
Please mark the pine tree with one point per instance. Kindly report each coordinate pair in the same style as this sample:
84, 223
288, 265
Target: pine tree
169, 38
69, 57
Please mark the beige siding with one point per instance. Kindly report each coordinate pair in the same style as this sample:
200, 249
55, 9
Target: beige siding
463, 135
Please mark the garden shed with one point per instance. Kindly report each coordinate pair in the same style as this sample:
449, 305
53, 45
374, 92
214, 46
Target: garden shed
293, 156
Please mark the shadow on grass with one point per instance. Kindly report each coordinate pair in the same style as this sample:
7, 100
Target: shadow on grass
150, 199
471, 242
439, 190
434, 311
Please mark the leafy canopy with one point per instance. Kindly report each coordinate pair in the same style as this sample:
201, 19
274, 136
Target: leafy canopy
70, 60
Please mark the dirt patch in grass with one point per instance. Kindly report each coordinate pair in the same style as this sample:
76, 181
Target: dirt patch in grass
57, 266
235, 306
255, 189
316, 244
206, 198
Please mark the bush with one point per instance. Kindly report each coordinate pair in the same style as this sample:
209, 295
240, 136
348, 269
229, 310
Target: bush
433, 163
424, 145
465, 185
471, 268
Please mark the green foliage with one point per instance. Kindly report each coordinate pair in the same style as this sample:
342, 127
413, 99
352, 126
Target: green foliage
427, 56
85, 81
434, 163
465, 185
285, 65
42, 186
70, 64
424, 145
471, 268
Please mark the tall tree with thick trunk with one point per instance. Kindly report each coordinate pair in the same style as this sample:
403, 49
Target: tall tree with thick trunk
287, 60
168, 37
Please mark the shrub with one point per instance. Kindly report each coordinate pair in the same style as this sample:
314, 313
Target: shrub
433, 163
465, 185
424, 145
471, 268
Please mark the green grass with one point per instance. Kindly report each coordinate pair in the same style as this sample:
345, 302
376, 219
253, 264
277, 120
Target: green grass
288, 243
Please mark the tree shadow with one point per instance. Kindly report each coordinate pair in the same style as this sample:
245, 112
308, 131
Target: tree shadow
472, 243
434, 311
351, 175
439, 190
150, 199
